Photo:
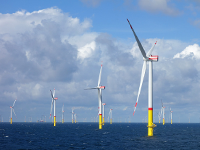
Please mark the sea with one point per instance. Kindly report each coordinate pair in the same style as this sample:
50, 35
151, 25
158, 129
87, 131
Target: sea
86, 135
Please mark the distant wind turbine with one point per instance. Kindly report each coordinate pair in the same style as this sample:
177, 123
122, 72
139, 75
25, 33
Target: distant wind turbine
53, 103
99, 87
75, 117
171, 115
72, 115
110, 114
103, 113
147, 58
12, 110
63, 113
163, 112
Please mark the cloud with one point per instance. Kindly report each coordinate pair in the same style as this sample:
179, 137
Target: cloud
192, 51
54, 50
155, 6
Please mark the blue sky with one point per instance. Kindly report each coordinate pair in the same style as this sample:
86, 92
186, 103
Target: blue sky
61, 44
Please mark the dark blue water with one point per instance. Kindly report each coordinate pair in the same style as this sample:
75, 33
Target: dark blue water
88, 136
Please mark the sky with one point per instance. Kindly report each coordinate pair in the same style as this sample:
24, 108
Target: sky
61, 44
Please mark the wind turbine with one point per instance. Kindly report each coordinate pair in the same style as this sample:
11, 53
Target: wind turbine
159, 116
110, 114
163, 112
12, 110
171, 115
75, 117
147, 58
63, 113
53, 103
103, 112
99, 87
72, 115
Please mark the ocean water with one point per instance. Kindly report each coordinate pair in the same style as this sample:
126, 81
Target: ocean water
114, 136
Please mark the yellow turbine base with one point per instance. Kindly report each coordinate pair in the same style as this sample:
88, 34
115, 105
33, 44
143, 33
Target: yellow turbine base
54, 121
103, 121
10, 120
75, 121
150, 122
100, 121
110, 121
72, 121
159, 121
62, 120
163, 121
171, 121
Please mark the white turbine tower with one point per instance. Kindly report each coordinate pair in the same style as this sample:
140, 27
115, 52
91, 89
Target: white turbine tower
171, 115
12, 110
63, 113
110, 114
75, 117
99, 87
147, 58
163, 112
72, 115
53, 103
103, 113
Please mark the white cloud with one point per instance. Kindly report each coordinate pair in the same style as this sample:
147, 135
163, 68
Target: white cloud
158, 6
85, 51
190, 51
52, 52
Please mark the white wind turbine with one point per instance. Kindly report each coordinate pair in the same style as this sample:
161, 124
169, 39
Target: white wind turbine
12, 110
147, 58
103, 113
110, 114
171, 115
163, 112
53, 103
63, 113
99, 87
72, 115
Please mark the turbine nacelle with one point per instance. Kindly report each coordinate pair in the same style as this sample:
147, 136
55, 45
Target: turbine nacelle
153, 58
102, 87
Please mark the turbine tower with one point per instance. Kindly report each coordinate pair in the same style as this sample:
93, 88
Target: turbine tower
63, 113
163, 112
103, 113
110, 114
75, 117
72, 115
12, 110
53, 103
147, 58
99, 87
171, 115
159, 116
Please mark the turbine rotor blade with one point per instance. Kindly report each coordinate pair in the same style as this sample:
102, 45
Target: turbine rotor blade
141, 81
51, 94
14, 112
99, 81
138, 41
14, 103
92, 88
51, 103
150, 51
54, 92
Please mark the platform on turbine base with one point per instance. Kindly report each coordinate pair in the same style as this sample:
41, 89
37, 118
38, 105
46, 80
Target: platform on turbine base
152, 126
